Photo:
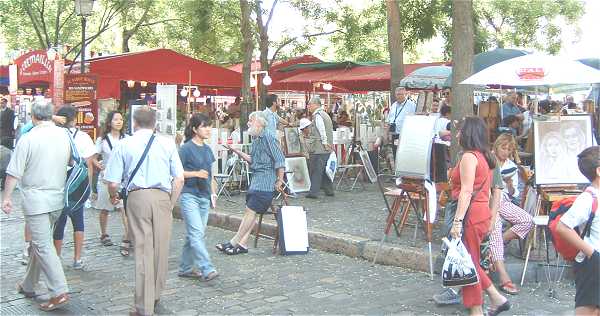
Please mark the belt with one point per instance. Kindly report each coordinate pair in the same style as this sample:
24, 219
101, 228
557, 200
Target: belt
140, 189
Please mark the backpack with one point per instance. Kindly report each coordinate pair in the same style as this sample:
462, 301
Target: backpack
559, 208
77, 186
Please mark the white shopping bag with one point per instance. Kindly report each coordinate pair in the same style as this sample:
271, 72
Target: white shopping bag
331, 166
458, 269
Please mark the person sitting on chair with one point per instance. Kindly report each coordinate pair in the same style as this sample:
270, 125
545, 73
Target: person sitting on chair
267, 164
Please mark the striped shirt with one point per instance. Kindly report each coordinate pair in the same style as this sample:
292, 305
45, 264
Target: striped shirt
267, 157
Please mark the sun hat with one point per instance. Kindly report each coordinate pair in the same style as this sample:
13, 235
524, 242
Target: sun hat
304, 123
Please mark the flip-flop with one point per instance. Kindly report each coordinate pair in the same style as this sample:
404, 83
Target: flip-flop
509, 288
502, 308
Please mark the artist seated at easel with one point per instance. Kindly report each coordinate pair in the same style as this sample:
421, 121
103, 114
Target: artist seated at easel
522, 222
320, 145
267, 164
587, 261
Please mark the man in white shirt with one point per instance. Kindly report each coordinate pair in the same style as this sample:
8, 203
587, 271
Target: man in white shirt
587, 262
399, 110
319, 145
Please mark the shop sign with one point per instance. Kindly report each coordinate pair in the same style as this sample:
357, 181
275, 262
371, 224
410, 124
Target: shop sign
34, 66
80, 91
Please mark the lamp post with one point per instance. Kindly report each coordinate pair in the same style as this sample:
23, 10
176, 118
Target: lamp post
83, 8
254, 82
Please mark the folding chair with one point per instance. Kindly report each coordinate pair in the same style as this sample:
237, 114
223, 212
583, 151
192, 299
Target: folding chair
273, 211
224, 179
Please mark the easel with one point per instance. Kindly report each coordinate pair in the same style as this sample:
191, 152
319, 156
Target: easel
354, 148
412, 191
546, 194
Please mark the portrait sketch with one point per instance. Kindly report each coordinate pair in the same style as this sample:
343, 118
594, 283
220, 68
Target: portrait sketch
292, 141
557, 144
299, 179
366, 161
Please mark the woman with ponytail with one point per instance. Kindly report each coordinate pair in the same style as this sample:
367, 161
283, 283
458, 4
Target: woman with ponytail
197, 196
471, 181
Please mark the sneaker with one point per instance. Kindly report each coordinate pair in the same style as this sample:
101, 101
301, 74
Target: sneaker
78, 264
447, 297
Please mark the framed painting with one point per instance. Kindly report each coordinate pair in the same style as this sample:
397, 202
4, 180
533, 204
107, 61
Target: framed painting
557, 143
292, 141
366, 161
299, 179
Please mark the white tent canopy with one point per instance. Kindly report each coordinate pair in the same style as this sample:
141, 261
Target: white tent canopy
535, 70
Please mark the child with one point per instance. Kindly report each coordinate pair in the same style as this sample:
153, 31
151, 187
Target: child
587, 262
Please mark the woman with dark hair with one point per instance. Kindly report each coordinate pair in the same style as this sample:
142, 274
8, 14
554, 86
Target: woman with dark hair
471, 181
114, 131
87, 150
198, 194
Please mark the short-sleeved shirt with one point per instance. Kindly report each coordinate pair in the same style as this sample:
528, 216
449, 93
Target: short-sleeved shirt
40, 162
83, 142
509, 109
510, 167
578, 215
193, 158
267, 157
105, 147
272, 120
399, 111
157, 170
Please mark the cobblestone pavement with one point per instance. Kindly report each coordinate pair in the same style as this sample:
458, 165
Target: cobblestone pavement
255, 283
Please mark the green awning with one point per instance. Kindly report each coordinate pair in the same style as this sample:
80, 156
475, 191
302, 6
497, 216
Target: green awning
331, 65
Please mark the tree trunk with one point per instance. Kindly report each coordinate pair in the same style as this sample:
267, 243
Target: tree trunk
247, 47
462, 63
125, 43
263, 45
395, 46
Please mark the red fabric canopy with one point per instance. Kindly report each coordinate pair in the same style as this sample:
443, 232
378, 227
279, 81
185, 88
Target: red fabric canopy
159, 66
356, 79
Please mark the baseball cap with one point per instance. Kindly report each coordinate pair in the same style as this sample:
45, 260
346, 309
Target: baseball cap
304, 123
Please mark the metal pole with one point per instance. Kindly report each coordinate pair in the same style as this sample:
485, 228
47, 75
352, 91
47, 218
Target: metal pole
83, 20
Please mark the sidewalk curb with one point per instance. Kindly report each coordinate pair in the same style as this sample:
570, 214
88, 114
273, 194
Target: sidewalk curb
345, 244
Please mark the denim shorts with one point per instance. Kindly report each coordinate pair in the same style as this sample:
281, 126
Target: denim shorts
587, 288
76, 219
259, 201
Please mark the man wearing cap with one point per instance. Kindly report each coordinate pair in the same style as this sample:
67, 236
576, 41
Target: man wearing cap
305, 132
319, 146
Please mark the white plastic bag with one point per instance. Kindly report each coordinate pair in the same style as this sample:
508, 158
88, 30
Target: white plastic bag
458, 269
331, 166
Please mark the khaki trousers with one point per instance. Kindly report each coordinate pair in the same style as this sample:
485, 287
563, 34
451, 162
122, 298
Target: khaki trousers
150, 219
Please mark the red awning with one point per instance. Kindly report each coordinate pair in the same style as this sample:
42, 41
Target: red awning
159, 66
359, 78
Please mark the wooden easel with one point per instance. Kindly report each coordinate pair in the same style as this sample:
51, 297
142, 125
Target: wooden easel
412, 191
545, 194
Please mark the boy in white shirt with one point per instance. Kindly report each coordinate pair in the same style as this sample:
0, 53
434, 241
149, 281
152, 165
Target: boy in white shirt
587, 262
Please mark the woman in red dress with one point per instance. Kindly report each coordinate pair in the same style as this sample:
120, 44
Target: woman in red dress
473, 175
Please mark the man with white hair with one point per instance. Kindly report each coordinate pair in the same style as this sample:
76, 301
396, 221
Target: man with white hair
319, 146
39, 163
267, 164
399, 110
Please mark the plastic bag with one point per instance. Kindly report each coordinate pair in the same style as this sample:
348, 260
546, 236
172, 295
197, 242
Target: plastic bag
458, 269
331, 166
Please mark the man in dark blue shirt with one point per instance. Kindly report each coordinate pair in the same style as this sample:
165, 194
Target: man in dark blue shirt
267, 164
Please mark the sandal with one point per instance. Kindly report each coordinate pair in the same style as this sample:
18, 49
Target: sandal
509, 288
190, 275
236, 250
55, 302
124, 249
224, 246
20, 290
502, 308
105, 240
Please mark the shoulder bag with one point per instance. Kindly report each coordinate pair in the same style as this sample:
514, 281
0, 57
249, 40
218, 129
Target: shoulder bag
123, 193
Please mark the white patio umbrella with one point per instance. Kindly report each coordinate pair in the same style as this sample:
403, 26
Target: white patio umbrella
535, 70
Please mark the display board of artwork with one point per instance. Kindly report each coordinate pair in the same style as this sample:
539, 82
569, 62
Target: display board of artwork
557, 143
299, 179
166, 109
366, 162
414, 150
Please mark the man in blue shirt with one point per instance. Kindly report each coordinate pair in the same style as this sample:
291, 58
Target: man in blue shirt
152, 194
270, 113
510, 108
267, 164
399, 110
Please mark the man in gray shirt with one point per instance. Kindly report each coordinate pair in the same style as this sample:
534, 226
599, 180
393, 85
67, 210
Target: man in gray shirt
319, 146
40, 163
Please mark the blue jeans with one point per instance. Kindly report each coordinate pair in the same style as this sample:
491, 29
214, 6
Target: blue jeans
194, 210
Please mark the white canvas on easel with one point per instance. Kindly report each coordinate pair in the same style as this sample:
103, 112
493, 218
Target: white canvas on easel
293, 230
414, 150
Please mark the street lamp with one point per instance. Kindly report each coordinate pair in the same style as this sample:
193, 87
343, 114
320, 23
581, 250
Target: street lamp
83, 8
254, 81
